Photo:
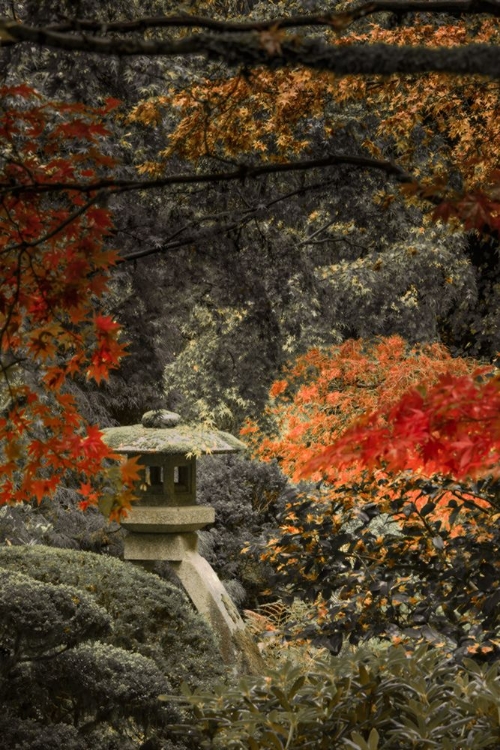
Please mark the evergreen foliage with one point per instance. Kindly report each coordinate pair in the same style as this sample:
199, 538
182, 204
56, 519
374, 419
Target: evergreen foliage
150, 617
39, 620
60, 523
359, 701
248, 497
85, 663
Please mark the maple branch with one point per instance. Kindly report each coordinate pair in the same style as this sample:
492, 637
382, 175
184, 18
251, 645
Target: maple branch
202, 236
307, 241
242, 172
24, 244
337, 20
250, 50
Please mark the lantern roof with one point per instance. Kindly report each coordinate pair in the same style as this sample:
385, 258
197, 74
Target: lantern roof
160, 432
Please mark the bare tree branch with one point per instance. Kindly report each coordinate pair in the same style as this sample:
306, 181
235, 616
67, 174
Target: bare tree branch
336, 20
250, 50
242, 172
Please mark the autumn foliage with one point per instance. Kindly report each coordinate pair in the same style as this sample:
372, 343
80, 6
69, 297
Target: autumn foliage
326, 392
434, 126
56, 257
55, 263
399, 538
451, 427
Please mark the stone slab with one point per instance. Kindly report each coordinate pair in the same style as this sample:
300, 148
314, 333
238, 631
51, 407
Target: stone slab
214, 603
205, 590
168, 519
159, 547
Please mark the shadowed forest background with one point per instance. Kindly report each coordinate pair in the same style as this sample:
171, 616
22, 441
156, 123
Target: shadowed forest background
279, 220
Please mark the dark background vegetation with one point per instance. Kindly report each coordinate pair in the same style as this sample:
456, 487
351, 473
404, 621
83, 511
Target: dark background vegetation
235, 282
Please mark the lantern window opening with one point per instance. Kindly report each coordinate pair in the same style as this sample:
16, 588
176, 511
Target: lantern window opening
181, 478
155, 475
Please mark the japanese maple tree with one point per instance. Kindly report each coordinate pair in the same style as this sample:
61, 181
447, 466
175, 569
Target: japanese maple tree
55, 264
323, 394
451, 427
389, 549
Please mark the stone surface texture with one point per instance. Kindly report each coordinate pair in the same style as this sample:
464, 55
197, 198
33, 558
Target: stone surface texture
160, 418
162, 525
168, 520
182, 439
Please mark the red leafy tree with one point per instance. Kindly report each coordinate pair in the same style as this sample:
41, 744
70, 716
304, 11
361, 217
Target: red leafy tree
55, 262
398, 541
451, 427
324, 394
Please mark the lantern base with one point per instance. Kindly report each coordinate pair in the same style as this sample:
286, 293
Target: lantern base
205, 590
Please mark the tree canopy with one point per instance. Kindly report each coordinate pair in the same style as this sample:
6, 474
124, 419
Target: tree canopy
279, 170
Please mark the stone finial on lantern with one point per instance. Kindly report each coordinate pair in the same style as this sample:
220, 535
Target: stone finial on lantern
163, 522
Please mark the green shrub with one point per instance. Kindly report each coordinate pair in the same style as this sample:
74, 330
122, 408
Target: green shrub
59, 522
39, 620
58, 682
101, 682
150, 616
53, 673
27, 734
362, 701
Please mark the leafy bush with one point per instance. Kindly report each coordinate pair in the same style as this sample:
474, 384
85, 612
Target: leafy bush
53, 672
56, 677
360, 701
101, 682
389, 569
150, 616
247, 496
28, 734
59, 522
38, 620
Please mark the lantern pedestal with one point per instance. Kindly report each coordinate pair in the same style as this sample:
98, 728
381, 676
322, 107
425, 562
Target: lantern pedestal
203, 587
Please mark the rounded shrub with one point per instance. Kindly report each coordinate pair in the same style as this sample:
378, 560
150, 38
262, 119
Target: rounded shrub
39, 620
87, 645
149, 616
28, 734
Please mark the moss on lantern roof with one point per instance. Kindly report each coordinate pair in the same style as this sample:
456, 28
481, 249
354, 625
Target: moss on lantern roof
170, 438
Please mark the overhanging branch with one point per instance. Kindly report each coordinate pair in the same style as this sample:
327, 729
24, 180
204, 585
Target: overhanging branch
337, 20
246, 215
250, 50
242, 172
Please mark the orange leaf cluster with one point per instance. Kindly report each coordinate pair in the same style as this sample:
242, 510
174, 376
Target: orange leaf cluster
344, 410
436, 126
225, 117
54, 268
451, 427
326, 391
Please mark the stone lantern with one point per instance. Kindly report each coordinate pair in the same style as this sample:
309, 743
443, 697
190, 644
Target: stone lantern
163, 522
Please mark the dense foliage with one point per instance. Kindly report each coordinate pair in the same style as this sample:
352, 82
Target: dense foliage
247, 496
450, 427
361, 701
383, 551
233, 187
87, 645
326, 391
